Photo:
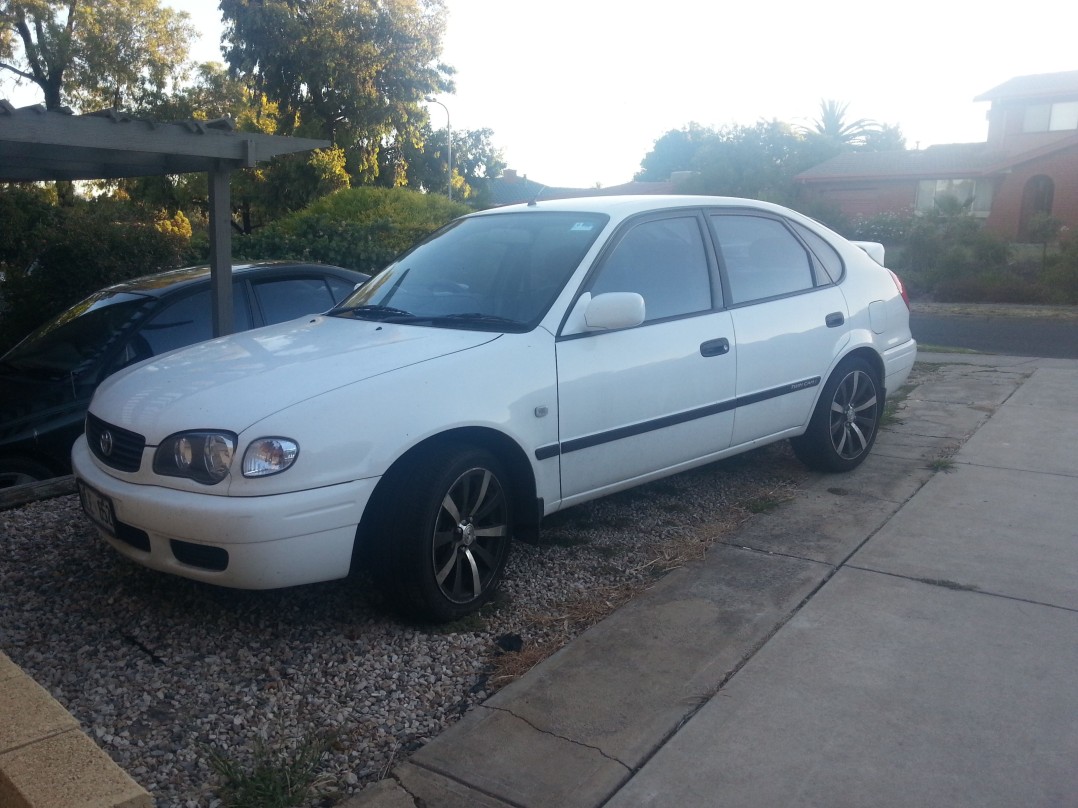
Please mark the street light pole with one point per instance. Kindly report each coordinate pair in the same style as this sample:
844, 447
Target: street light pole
449, 145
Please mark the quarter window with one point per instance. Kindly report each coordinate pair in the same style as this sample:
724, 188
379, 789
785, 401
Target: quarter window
762, 258
662, 260
827, 255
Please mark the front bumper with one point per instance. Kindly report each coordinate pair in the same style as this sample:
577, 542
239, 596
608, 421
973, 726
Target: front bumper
272, 541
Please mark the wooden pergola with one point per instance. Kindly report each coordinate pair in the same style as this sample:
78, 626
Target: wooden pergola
39, 145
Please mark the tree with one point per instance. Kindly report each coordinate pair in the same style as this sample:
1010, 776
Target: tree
475, 160
833, 127
350, 71
258, 194
674, 151
108, 53
888, 137
758, 161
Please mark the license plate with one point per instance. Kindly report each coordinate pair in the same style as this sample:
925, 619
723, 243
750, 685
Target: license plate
98, 507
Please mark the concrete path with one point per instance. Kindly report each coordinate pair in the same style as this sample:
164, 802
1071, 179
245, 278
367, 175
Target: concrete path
903, 635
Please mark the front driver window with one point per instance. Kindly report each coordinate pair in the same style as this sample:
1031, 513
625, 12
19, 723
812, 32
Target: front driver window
187, 321
284, 299
663, 261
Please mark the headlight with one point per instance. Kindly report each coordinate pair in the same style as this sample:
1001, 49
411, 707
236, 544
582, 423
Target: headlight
267, 456
204, 457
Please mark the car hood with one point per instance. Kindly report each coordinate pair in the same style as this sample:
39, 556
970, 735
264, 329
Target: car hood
235, 381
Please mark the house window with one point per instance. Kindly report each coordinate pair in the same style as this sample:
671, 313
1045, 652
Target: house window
1064, 116
980, 191
1058, 117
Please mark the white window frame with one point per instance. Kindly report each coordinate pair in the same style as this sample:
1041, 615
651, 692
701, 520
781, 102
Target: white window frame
928, 191
1062, 116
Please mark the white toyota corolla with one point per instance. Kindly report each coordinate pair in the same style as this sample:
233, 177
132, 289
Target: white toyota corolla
519, 361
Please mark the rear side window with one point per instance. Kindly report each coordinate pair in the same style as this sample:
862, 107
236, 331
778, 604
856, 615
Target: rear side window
762, 258
284, 299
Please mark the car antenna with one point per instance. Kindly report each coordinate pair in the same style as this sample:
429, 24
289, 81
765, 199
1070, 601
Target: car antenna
535, 199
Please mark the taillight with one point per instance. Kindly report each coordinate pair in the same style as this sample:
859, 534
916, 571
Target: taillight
901, 288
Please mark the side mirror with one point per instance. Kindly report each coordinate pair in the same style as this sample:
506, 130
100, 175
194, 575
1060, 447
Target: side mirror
615, 310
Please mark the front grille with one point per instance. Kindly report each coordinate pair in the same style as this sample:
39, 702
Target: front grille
124, 448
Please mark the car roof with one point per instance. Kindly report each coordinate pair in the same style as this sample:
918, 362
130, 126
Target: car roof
160, 283
619, 207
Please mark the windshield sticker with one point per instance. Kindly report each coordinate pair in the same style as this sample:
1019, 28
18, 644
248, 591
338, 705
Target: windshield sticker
582, 227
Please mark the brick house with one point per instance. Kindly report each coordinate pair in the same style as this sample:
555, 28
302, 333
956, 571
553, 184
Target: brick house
1028, 164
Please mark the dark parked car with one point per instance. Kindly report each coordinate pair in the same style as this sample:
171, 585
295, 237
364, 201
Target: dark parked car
46, 381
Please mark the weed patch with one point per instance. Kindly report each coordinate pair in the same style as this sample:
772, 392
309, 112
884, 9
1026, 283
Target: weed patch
275, 778
944, 464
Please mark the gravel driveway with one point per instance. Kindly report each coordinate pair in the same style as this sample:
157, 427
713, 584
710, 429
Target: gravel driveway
161, 670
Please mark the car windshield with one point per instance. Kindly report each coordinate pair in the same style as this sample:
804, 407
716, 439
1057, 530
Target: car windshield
496, 272
75, 339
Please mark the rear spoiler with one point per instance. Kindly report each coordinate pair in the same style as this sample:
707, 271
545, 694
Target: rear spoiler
873, 248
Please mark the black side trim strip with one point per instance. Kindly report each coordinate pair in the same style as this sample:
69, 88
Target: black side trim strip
647, 426
546, 452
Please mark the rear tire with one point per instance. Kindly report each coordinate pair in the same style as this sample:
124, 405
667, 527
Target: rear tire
846, 419
446, 532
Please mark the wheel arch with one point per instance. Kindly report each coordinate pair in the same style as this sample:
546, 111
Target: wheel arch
529, 510
870, 355
816, 446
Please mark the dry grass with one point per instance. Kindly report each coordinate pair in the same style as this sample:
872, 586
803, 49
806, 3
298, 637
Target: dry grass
557, 630
553, 631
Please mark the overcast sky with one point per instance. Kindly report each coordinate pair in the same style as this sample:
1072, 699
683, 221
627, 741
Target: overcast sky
577, 91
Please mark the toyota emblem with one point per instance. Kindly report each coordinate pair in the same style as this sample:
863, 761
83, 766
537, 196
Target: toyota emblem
106, 443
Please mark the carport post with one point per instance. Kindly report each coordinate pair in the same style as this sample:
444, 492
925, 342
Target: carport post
220, 252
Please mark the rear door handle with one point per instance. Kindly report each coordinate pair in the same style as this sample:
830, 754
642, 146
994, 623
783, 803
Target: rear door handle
715, 347
834, 319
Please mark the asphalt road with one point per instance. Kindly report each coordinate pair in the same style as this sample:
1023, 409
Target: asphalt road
1053, 337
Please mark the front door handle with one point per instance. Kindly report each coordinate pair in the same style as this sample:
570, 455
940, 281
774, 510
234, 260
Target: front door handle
835, 319
715, 347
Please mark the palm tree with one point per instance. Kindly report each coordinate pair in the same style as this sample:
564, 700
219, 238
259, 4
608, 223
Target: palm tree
833, 127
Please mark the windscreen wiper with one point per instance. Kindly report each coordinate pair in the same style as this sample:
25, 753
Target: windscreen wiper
375, 312
479, 317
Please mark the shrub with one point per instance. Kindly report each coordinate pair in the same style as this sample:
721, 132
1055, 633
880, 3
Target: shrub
77, 250
946, 255
26, 211
359, 228
992, 287
1060, 277
886, 228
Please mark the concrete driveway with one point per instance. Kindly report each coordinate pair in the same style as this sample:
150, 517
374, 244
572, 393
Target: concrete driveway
903, 635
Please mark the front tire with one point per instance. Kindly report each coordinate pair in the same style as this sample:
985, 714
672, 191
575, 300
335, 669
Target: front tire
449, 531
846, 419
18, 471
